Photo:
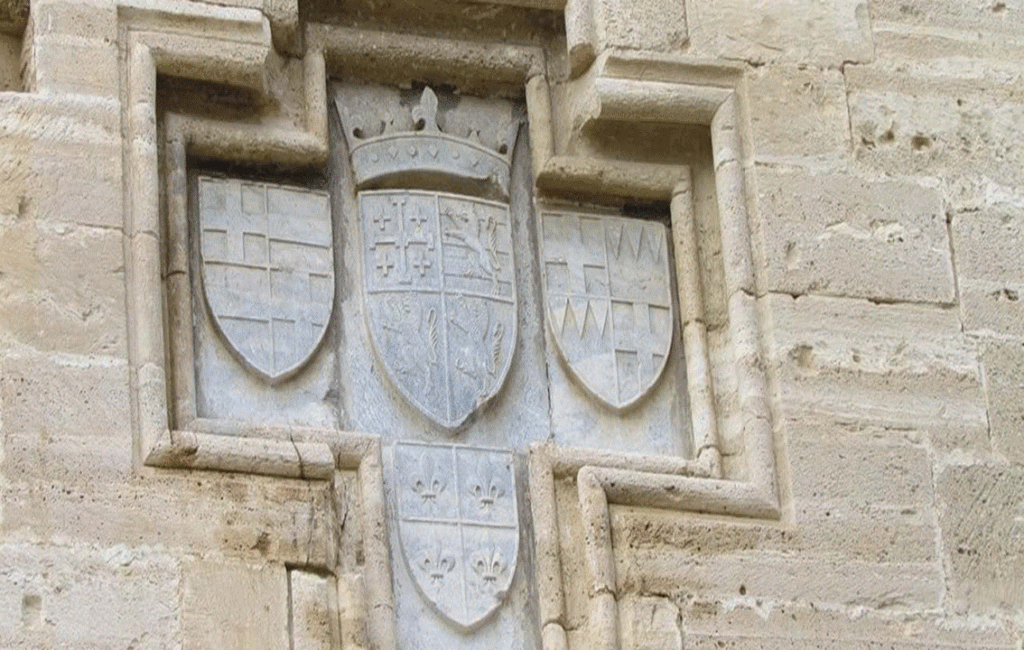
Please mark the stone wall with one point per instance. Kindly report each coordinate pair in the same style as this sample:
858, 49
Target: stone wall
885, 191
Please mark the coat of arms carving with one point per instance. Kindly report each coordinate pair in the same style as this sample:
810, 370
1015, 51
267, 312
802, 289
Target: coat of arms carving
436, 244
608, 301
459, 526
267, 263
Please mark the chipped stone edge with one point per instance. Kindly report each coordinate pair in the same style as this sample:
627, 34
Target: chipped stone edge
675, 90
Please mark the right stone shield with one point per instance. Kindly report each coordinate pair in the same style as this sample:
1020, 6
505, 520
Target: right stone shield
608, 301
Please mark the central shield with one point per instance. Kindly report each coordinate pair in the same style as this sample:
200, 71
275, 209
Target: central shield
458, 523
440, 296
608, 301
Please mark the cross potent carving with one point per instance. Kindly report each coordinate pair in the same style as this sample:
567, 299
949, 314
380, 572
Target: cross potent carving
384, 263
422, 263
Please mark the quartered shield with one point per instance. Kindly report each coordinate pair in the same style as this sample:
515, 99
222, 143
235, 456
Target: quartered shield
440, 296
458, 524
268, 271
608, 301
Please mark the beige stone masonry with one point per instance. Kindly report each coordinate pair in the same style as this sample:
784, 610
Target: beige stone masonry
829, 234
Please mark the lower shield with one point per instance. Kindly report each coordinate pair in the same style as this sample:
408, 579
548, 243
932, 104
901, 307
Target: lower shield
459, 527
268, 271
608, 300
439, 287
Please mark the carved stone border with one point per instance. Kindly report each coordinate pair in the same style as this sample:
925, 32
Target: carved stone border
234, 46
632, 87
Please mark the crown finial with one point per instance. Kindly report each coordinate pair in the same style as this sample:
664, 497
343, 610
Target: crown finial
425, 114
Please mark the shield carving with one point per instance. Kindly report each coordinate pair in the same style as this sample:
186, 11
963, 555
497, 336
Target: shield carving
267, 265
608, 302
440, 296
458, 524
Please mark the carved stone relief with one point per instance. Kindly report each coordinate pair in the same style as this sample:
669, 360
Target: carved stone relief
459, 526
440, 296
268, 271
608, 301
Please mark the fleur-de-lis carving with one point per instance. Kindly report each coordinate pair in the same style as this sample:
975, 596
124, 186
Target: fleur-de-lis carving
437, 564
428, 483
486, 486
488, 565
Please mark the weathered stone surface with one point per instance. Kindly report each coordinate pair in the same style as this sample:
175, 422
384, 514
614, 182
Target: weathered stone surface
313, 607
64, 395
990, 265
228, 606
62, 286
744, 622
842, 362
83, 489
649, 624
993, 18
1003, 363
824, 34
798, 114
960, 125
832, 235
980, 513
84, 597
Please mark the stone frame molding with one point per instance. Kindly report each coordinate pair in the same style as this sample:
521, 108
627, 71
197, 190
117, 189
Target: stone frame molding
160, 38
627, 86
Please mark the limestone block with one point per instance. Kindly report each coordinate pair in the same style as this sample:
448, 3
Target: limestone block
95, 73
593, 26
896, 586
60, 159
826, 34
980, 511
834, 235
649, 623
989, 249
64, 395
62, 286
75, 597
895, 371
853, 500
991, 17
234, 606
798, 113
744, 623
1003, 362
314, 621
83, 489
939, 122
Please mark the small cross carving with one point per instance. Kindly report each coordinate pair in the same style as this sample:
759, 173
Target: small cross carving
422, 263
384, 263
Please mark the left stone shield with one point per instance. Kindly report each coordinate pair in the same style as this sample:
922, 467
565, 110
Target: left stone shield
268, 271
440, 296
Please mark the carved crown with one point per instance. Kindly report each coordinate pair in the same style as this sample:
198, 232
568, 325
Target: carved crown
389, 141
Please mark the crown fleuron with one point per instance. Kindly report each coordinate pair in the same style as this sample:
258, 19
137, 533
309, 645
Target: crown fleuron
389, 142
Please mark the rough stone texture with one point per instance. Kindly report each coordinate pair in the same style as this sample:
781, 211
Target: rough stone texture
231, 605
885, 185
1003, 363
314, 622
980, 512
798, 114
842, 361
801, 31
990, 266
833, 235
